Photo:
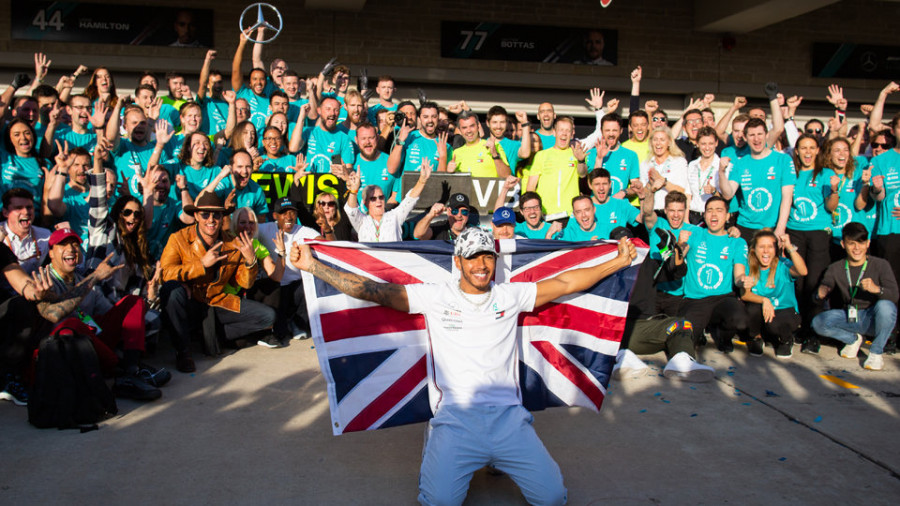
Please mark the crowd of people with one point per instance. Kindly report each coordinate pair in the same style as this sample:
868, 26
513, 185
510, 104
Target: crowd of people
137, 214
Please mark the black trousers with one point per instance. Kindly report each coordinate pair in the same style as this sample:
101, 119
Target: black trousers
814, 247
19, 335
725, 312
181, 315
659, 333
291, 307
888, 248
778, 331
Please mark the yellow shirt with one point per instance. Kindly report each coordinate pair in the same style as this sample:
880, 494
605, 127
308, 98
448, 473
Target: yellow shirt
558, 184
643, 151
477, 160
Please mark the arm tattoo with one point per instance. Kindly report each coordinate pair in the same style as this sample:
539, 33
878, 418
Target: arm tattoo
354, 285
67, 302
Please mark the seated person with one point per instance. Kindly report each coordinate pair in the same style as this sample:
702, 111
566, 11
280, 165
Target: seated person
768, 293
503, 224
81, 305
198, 263
868, 291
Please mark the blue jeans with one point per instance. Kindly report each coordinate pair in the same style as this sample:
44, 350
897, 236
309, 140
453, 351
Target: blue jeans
877, 321
462, 439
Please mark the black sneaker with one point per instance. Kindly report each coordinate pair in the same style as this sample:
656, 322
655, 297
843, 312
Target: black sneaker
785, 350
270, 342
811, 345
756, 346
156, 377
133, 387
14, 391
723, 343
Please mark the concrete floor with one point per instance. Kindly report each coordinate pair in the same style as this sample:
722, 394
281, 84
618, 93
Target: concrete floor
253, 428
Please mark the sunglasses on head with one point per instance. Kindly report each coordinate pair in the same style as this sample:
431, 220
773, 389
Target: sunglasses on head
376, 197
329, 203
210, 214
813, 130
459, 210
128, 212
882, 145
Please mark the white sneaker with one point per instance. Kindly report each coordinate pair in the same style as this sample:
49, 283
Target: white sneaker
627, 364
296, 332
683, 366
850, 350
874, 362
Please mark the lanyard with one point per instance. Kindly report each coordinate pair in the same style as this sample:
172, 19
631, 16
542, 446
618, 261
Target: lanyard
854, 287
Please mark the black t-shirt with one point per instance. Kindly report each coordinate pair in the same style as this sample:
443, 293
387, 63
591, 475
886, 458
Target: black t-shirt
7, 257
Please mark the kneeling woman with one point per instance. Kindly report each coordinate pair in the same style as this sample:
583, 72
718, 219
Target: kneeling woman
768, 291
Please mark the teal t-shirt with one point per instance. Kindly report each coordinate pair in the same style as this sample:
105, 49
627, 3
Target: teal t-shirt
282, 164
321, 145
808, 210
614, 213
374, 172
129, 157
418, 148
511, 150
87, 140
250, 196
197, 179
259, 106
215, 115
760, 182
710, 263
164, 217
77, 211
573, 232
524, 230
547, 141
782, 293
887, 164
846, 210
673, 287
22, 172
622, 164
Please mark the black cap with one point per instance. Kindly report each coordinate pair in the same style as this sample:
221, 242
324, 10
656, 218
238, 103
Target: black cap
458, 200
284, 203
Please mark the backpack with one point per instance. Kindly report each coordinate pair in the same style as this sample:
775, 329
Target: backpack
69, 390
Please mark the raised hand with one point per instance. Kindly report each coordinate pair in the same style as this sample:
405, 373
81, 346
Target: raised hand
892, 87
164, 132
278, 240
300, 168
793, 103
329, 67
740, 102
362, 82
301, 256
437, 210
835, 95
612, 105
866, 109
41, 66
63, 160
353, 182
210, 56
867, 175
245, 246
510, 183
442, 143
425, 170
181, 182
835, 182
212, 256
595, 99
98, 119
43, 283
104, 271
229, 96
651, 106
521, 117
636, 75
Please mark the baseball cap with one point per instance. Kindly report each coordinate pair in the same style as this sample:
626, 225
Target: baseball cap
284, 203
472, 241
61, 235
458, 200
504, 216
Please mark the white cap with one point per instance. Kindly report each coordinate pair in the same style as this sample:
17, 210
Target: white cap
472, 241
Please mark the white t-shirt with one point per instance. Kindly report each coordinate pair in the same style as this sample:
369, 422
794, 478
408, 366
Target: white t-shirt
268, 230
474, 350
389, 230
674, 168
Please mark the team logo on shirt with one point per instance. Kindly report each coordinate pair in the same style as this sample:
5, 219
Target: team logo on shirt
804, 209
710, 277
759, 199
499, 314
724, 253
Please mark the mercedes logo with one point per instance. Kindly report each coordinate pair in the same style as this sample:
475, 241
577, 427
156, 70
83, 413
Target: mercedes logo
262, 11
867, 61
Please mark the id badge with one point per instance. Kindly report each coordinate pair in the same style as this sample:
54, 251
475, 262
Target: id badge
851, 314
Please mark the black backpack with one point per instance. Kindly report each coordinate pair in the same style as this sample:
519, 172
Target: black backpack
69, 390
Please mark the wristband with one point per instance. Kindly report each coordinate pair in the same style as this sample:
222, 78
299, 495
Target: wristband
255, 260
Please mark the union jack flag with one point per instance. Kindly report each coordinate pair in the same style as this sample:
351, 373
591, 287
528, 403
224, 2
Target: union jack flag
375, 359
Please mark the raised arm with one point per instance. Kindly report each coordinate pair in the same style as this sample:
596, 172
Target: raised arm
237, 78
878, 109
725, 120
525, 148
424, 174
728, 188
386, 294
578, 280
508, 185
777, 117
635, 102
204, 74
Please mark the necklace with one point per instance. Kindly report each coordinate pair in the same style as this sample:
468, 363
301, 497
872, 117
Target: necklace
485, 297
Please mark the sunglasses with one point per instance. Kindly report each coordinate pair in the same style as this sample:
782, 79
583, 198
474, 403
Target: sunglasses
459, 210
813, 130
329, 203
882, 145
210, 214
659, 120
376, 198
128, 212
